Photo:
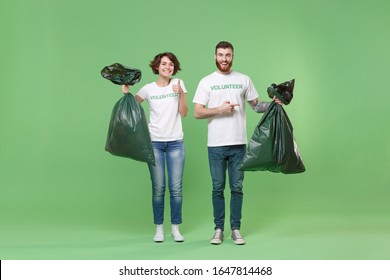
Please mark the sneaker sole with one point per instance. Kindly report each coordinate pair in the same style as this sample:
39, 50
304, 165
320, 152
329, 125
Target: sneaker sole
178, 240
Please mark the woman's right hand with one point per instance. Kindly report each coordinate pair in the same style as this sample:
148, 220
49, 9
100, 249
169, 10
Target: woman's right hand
125, 89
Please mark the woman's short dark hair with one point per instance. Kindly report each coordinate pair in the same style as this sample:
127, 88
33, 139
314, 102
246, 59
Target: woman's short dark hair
224, 45
155, 63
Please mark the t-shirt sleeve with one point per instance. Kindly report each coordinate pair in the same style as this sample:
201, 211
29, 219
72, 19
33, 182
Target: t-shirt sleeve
251, 92
143, 93
201, 95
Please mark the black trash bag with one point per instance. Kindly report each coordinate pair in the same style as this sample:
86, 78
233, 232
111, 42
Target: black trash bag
121, 75
128, 133
283, 91
272, 146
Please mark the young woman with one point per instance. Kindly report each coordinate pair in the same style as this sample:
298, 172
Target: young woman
168, 105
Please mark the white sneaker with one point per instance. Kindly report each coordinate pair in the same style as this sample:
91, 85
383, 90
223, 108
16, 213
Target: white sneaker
218, 237
159, 235
176, 234
236, 236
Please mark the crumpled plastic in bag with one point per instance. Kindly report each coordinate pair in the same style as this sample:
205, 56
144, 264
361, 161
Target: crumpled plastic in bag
283, 91
272, 146
121, 75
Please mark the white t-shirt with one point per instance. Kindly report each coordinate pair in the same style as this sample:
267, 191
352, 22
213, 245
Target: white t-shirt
212, 91
165, 120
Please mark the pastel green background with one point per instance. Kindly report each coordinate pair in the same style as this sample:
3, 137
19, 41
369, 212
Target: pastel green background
63, 197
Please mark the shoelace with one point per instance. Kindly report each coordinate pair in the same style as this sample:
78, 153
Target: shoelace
237, 235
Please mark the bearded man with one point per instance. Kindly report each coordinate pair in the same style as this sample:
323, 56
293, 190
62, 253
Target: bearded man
220, 97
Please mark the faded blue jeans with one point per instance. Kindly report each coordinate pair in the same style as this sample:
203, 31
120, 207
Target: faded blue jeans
221, 159
171, 154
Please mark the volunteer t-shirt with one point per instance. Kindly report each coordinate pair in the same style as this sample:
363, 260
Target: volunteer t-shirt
212, 91
165, 120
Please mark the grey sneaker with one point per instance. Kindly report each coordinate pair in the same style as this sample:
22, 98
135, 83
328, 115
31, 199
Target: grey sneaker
236, 236
218, 237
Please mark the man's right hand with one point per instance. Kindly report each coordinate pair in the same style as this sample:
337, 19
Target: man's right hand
227, 107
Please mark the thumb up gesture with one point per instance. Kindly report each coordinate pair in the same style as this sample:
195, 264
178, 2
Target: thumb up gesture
177, 88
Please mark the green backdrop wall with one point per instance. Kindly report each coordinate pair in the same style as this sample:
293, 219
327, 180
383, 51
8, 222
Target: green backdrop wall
63, 197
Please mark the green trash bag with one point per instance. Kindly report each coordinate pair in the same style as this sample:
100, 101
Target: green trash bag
272, 146
128, 133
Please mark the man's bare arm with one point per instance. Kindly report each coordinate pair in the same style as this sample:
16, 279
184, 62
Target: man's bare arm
201, 112
257, 106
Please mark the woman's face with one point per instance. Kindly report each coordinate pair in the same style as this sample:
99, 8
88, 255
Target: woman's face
166, 67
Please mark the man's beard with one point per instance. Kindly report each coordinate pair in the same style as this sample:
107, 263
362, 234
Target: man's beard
224, 70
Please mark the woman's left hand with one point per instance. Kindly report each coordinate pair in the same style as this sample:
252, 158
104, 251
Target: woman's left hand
177, 88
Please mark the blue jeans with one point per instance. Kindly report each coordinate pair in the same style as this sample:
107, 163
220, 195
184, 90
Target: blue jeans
171, 153
221, 159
